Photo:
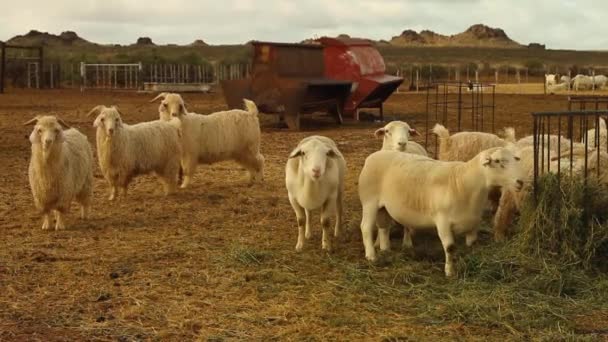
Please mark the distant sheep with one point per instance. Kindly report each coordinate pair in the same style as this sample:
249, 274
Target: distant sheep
314, 177
550, 79
125, 151
464, 146
551, 141
60, 170
206, 139
422, 193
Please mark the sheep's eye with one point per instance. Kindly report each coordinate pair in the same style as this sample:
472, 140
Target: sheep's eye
165, 105
302, 153
57, 130
517, 158
102, 119
117, 120
39, 131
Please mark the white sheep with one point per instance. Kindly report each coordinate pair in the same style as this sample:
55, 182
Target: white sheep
125, 151
421, 193
396, 136
206, 139
603, 135
566, 79
550, 141
582, 82
511, 202
60, 170
558, 87
314, 177
600, 81
550, 79
463, 146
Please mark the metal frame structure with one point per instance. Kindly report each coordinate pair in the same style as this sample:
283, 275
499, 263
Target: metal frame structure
453, 102
3, 58
576, 125
109, 75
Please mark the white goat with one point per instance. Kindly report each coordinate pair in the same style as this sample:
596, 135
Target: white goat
61, 169
125, 151
206, 139
465, 145
314, 177
550, 141
419, 192
396, 135
582, 82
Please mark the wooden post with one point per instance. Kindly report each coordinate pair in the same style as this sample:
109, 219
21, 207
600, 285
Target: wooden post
83, 76
496, 76
593, 78
40, 77
51, 75
2, 66
417, 78
569, 79
476, 76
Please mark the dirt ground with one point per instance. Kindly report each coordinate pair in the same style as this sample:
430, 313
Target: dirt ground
215, 261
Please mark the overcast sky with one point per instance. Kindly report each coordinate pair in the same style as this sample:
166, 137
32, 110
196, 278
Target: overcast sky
561, 24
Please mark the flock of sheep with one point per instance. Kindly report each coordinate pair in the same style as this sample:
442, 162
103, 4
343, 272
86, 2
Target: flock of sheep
398, 185
579, 82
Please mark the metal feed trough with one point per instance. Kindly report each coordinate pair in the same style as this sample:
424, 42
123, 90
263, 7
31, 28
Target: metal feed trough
338, 76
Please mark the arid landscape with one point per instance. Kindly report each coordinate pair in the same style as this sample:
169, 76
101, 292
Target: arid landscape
216, 262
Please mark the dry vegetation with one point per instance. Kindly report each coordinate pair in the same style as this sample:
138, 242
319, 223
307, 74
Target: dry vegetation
217, 262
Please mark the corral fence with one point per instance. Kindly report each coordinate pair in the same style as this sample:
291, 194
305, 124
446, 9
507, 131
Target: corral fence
110, 76
417, 77
460, 106
572, 72
23, 65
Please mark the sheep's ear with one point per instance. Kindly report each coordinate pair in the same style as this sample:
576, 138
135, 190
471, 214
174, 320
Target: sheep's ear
97, 121
118, 110
486, 160
63, 123
332, 153
96, 110
295, 153
380, 132
32, 121
414, 132
182, 109
159, 96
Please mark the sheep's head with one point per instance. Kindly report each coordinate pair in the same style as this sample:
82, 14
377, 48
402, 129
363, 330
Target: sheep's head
396, 135
171, 106
47, 131
502, 168
314, 156
108, 118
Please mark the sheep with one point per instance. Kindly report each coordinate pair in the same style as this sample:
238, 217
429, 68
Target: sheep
550, 80
599, 81
603, 138
558, 87
566, 79
550, 141
60, 170
396, 136
582, 82
464, 146
420, 192
314, 177
511, 202
206, 139
125, 151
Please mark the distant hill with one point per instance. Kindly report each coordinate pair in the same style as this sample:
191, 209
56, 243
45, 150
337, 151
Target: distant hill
475, 36
66, 38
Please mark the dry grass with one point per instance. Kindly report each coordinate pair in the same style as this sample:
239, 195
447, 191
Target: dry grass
217, 262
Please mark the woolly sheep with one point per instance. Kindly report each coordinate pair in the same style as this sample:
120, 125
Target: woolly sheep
550, 141
603, 138
60, 170
582, 82
464, 146
420, 193
314, 177
125, 151
511, 202
396, 135
206, 139
550, 79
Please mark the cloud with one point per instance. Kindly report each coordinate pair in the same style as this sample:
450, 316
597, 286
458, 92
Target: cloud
559, 24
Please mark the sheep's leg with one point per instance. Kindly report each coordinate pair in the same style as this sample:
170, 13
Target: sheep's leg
308, 231
113, 192
189, 167
59, 224
368, 221
471, 237
407, 238
328, 208
301, 221
504, 215
254, 164
339, 213
383, 222
46, 220
444, 230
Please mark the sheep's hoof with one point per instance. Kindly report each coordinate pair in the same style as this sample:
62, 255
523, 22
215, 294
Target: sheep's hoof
59, 227
111, 198
326, 247
45, 226
299, 247
450, 272
371, 258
